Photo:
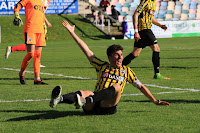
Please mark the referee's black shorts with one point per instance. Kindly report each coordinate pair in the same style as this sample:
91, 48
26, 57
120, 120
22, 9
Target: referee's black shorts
147, 39
97, 110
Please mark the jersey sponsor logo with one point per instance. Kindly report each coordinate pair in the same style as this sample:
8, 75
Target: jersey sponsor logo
112, 76
30, 39
151, 12
122, 71
39, 7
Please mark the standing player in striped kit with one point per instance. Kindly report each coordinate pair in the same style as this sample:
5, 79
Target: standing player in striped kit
33, 34
22, 47
111, 81
142, 21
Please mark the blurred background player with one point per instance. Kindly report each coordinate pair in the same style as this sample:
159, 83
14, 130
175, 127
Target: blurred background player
22, 47
142, 21
33, 34
112, 78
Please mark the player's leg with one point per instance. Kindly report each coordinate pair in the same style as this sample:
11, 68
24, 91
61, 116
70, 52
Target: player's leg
156, 61
111, 94
135, 53
40, 42
29, 55
9, 49
68, 98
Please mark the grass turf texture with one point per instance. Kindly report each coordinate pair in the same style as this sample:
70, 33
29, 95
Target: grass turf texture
180, 60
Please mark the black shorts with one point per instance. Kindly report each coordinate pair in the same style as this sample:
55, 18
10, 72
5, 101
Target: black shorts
147, 39
97, 110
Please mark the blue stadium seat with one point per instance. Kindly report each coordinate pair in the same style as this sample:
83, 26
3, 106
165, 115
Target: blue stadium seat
169, 12
163, 3
126, 5
178, 7
161, 16
162, 12
191, 16
185, 11
123, 13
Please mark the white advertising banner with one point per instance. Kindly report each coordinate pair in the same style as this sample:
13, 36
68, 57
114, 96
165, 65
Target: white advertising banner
192, 26
158, 32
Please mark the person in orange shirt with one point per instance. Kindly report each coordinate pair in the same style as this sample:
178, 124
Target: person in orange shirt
22, 47
33, 34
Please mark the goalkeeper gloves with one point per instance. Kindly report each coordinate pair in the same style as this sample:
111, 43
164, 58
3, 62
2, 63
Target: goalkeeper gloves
45, 31
17, 20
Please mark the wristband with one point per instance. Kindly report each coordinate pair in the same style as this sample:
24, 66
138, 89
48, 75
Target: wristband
136, 30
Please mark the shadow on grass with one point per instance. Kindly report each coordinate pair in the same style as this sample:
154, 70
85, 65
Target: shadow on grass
51, 114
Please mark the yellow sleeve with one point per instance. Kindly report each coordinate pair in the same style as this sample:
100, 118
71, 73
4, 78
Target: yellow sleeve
142, 6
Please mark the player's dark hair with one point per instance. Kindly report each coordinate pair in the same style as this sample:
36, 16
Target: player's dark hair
113, 48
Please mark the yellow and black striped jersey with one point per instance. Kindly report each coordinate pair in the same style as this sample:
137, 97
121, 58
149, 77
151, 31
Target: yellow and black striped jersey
108, 76
146, 8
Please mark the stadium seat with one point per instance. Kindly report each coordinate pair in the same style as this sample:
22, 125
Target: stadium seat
170, 8
134, 4
137, 1
123, 13
181, 1
191, 16
176, 17
162, 12
125, 9
163, 3
163, 7
185, 7
177, 11
169, 12
168, 17
193, 7
178, 3
192, 11
118, 7
171, 3
129, 1
186, 2
161, 16
121, 2
98, 2
198, 6
198, 16
184, 16
93, 2
126, 5
185, 11
114, 2
178, 7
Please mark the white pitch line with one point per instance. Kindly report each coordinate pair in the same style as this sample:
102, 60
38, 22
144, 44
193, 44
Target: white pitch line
124, 95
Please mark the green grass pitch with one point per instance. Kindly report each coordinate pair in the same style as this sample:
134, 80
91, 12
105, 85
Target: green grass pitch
25, 108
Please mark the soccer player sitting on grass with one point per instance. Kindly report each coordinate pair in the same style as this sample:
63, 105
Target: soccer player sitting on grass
111, 81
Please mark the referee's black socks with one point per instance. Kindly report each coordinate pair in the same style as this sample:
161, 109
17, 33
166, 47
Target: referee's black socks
128, 59
101, 95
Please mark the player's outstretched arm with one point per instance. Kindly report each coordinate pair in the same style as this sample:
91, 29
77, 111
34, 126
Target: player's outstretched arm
89, 54
164, 27
148, 94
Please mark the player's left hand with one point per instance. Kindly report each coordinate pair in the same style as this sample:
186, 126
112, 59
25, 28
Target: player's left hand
17, 20
164, 27
163, 103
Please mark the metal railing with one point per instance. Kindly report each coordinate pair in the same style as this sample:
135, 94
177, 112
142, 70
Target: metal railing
104, 15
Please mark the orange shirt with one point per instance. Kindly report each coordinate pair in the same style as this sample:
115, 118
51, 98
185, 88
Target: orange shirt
34, 12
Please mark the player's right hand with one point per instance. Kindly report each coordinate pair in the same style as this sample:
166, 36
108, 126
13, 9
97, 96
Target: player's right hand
17, 20
137, 36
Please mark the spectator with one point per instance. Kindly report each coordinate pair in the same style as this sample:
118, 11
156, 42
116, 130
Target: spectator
124, 26
115, 13
104, 4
